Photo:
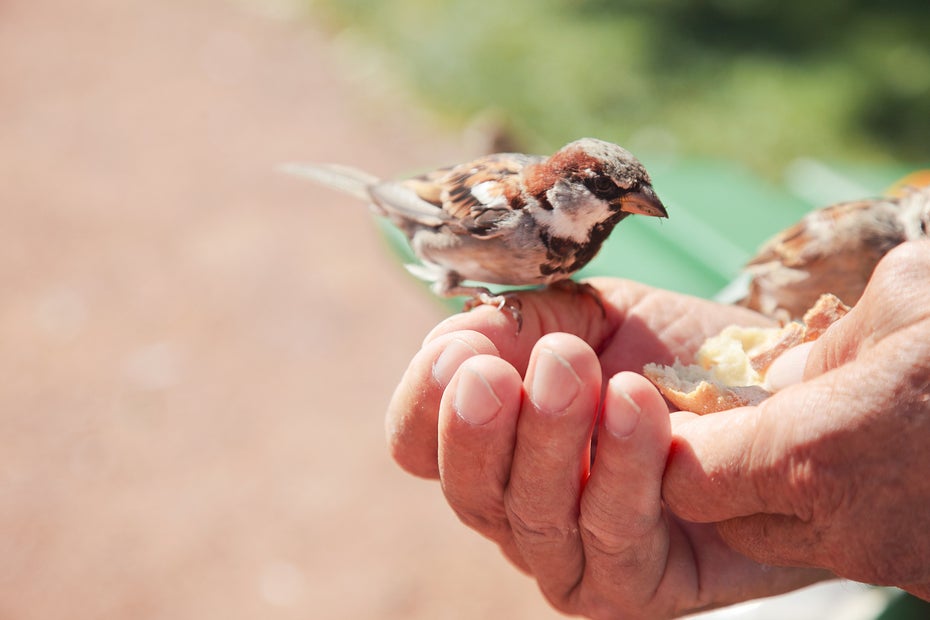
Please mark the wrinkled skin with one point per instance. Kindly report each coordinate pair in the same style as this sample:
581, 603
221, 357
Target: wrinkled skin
832, 472
825, 478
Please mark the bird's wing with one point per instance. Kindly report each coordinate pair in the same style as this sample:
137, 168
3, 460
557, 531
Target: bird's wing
804, 242
476, 196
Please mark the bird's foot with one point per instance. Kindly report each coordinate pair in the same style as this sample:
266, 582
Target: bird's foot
503, 301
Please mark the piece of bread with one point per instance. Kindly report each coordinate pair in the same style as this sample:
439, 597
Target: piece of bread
729, 369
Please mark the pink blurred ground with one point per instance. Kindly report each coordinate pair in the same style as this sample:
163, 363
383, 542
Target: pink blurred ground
196, 351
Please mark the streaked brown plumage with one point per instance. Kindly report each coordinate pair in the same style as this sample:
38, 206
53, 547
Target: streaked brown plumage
507, 218
833, 250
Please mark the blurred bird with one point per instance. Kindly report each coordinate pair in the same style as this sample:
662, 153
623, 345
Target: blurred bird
835, 249
491, 131
507, 218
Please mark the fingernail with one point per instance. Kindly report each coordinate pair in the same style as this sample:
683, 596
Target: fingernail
555, 382
621, 415
788, 368
475, 401
456, 352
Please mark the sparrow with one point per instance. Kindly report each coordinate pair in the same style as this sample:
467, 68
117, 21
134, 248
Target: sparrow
834, 250
506, 218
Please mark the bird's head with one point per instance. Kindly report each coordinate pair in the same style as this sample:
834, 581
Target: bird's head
587, 184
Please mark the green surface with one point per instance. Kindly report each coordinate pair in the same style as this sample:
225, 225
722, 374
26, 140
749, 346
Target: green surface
906, 607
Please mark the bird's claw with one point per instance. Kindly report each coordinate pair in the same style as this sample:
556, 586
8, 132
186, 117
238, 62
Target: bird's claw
503, 301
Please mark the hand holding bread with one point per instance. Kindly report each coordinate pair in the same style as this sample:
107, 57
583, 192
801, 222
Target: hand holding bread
730, 368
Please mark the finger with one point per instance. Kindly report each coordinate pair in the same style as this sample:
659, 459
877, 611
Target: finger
551, 459
707, 477
788, 368
477, 430
763, 459
749, 460
626, 538
634, 324
543, 311
903, 274
412, 414
792, 496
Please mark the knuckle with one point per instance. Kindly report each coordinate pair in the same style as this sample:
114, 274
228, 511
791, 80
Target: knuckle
489, 522
626, 542
816, 491
612, 537
484, 514
536, 530
603, 541
534, 527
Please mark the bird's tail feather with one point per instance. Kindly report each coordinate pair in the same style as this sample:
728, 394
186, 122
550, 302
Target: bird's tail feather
343, 178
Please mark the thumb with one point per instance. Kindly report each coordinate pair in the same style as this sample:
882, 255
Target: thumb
745, 461
707, 473
891, 302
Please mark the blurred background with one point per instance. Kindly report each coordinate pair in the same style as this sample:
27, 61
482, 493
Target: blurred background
197, 351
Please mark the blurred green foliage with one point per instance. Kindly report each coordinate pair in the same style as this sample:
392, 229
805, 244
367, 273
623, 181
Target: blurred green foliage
746, 80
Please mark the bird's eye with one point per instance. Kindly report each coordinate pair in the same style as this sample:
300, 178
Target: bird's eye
603, 185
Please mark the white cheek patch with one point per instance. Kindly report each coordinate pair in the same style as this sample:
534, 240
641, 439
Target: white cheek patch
575, 212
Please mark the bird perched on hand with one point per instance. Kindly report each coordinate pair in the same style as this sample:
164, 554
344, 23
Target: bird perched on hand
834, 250
507, 218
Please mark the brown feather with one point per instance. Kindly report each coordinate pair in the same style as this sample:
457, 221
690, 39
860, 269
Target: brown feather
831, 250
451, 189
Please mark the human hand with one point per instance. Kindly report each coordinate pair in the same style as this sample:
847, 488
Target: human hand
506, 421
832, 472
636, 325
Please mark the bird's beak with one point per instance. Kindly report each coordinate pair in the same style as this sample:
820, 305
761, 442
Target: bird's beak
643, 201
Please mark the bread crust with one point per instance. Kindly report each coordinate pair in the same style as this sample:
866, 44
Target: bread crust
730, 368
